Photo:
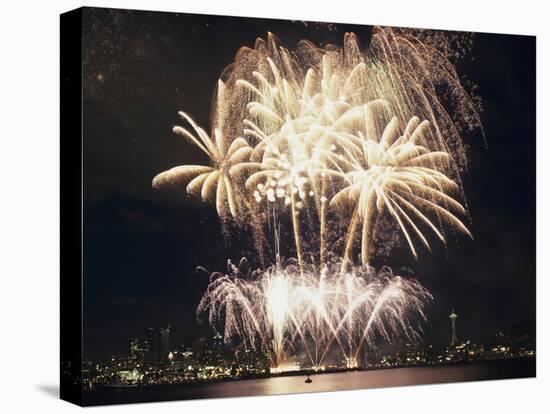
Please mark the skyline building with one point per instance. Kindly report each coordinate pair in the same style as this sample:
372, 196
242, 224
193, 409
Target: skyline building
164, 344
136, 352
453, 316
151, 347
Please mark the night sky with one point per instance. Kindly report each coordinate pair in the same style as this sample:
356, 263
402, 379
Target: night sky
141, 246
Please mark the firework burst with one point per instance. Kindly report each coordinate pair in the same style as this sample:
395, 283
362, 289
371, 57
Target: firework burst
283, 308
338, 143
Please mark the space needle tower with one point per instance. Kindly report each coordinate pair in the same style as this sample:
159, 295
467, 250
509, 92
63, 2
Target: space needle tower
453, 317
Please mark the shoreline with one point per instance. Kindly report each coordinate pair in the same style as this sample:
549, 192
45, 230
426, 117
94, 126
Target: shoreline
301, 373
488, 370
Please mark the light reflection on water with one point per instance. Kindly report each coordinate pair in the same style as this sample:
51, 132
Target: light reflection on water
348, 381
321, 382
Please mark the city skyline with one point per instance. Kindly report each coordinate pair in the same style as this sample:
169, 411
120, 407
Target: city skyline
149, 340
210, 359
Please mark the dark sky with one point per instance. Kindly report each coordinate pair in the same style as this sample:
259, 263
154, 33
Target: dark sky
142, 246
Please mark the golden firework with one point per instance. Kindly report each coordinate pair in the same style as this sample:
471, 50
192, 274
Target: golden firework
351, 147
213, 182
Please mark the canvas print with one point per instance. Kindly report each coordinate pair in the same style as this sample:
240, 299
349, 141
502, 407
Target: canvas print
273, 207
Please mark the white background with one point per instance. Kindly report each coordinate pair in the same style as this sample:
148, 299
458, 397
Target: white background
29, 206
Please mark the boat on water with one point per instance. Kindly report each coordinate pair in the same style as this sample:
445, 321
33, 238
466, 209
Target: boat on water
308, 380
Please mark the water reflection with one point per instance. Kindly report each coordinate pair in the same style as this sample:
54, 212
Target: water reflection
350, 381
321, 382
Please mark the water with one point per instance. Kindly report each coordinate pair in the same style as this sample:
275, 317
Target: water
487, 370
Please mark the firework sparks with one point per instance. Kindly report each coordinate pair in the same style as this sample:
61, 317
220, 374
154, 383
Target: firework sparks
214, 182
341, 143
341, 128
392, 172
282, 308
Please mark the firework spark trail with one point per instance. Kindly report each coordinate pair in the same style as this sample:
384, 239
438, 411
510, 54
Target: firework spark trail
280, 309
318, 128
340, 143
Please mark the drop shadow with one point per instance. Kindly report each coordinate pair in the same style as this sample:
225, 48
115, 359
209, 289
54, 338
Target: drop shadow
49, 389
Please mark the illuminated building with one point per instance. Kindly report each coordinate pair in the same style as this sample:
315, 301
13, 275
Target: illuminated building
453, 316
151, 347
164, 348
135, 357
